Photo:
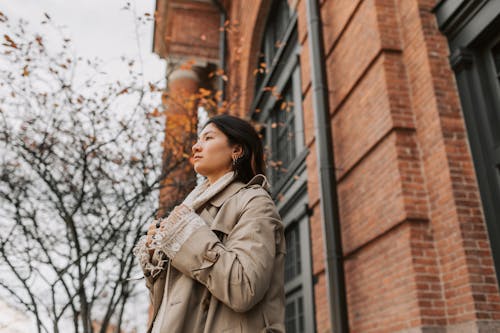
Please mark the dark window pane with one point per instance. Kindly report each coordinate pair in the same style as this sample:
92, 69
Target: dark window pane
300, 302
283, 133
290, 317
277, 23
292, 259
294, 313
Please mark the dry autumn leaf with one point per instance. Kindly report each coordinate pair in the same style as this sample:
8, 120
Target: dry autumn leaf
204, 92
156, 113
39, 40
10, 42
123, 91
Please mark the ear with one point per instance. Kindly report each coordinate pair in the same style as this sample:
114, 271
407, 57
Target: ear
237, 151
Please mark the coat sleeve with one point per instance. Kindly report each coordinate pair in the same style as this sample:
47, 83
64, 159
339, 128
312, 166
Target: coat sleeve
238, 272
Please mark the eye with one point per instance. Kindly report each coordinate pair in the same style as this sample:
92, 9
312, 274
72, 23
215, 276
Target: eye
208, 137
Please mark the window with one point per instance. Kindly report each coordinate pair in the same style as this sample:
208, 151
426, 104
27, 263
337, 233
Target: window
278, 108
277, 23
275, 30
279, 102
294, 320
299, 304
292, 261
283, 146
283, 129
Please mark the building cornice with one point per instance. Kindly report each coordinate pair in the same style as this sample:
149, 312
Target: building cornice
464, 21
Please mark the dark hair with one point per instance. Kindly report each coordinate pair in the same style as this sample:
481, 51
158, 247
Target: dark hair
239, 131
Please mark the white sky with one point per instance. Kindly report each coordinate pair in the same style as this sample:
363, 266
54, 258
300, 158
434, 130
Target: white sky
98, 28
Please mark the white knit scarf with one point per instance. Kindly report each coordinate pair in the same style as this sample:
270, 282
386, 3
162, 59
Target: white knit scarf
204, 192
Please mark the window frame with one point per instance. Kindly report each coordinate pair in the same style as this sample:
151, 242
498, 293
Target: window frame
290, 192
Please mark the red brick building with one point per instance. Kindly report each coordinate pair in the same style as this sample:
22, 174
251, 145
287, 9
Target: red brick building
382, 125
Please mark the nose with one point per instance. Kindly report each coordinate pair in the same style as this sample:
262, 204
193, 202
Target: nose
196, 147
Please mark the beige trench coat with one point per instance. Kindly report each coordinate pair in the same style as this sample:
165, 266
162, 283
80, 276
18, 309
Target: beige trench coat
228, 277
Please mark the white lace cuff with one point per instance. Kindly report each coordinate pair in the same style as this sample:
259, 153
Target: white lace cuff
150, 266
178, 227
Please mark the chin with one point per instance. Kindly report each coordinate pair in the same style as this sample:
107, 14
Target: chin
199, 170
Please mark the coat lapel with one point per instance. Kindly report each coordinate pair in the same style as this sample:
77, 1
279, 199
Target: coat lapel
219, 199
225, 222
209, 212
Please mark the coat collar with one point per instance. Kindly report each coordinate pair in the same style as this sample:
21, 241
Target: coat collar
235, 186
225, 224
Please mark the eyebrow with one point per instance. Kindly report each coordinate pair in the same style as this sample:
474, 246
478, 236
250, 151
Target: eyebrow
206, 133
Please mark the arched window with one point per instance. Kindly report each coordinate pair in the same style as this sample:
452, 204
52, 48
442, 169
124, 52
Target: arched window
276, 25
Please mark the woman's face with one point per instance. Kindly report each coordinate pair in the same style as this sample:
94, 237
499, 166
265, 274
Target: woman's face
212, 154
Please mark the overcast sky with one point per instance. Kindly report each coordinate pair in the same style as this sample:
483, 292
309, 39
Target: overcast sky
98, 28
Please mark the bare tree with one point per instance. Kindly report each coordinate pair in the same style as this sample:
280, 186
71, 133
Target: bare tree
81, 164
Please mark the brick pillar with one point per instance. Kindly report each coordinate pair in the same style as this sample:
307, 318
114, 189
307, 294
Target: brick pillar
180, 134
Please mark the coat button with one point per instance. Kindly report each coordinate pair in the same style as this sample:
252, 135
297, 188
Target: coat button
211, 256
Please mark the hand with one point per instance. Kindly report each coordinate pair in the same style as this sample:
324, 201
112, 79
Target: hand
151, 232
158, 224
153, 228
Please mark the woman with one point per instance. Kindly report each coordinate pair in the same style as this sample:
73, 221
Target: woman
216, 263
